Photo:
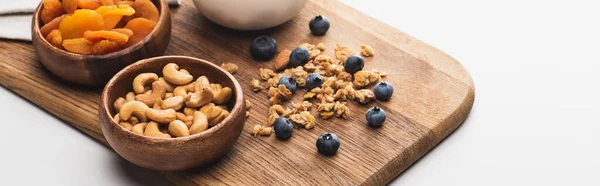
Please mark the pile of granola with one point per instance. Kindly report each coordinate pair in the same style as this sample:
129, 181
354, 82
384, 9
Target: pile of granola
338, 88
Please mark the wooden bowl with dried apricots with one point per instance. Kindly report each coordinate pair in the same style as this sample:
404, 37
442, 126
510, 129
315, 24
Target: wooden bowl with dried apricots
87, 41
156, 142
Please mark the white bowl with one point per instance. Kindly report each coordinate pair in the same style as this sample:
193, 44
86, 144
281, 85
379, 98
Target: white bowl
249, 14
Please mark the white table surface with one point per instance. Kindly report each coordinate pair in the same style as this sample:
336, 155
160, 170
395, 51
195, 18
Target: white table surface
535, 64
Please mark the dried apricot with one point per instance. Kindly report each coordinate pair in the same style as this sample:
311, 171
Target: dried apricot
124, 3
107, 2
141, 27
89, 4
105, 47
145, 9
125, 10
69, 5
82, 20
113, 14
125, 31
48, 27
52, 9
111, 21
78, 45
95, 36
55, 38
125, 19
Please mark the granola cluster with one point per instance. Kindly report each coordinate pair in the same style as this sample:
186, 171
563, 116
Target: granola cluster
339, 87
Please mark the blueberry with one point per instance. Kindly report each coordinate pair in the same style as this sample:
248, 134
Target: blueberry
328, 144
354, 64
375, 116
314, 80
263, 48
383, 91
299, 56
319, 25
289, 82
283, 128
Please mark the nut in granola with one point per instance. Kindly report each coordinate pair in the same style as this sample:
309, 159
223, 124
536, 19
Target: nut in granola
230, 67
365, 78
304, 119
262, 130
363, 96
266, 73
282, 60
341, 110
284, 92
272, 117
255, 84
367, 51
304, 106
343, 52
299, 75
321, 47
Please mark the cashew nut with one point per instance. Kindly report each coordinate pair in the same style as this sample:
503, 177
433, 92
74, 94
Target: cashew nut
178, 129
142, 80
224, 107
126, 125
205, 109
158, 92
180, 116
161, 116
134, 120
201, 84
198, 99
130, 96
183, 90
190, 111
174, 103
223, 96
172, 75
117, 119
184, 71
153, 131
219, 118
119, 103
157, 104
216, 87
134, 107
200, 123
139, 128
203, 93
168, 95
166, 84
185, 118
212, 112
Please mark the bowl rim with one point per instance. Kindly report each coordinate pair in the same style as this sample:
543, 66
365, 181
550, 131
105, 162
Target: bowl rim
104, 103
36, 20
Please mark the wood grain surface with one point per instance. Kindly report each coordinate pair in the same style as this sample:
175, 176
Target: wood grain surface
433, 96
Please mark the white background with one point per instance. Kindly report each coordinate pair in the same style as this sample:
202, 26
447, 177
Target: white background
535, 64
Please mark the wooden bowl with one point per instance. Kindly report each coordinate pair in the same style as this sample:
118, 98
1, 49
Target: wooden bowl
95, 70
174, 153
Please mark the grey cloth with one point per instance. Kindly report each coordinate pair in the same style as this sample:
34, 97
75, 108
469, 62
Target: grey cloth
15, 18
18, 6
16, 27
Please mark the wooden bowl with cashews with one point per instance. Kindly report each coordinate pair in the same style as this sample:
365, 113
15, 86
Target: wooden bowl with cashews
172, 113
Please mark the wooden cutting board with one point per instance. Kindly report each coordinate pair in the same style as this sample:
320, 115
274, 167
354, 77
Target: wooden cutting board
433, 96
